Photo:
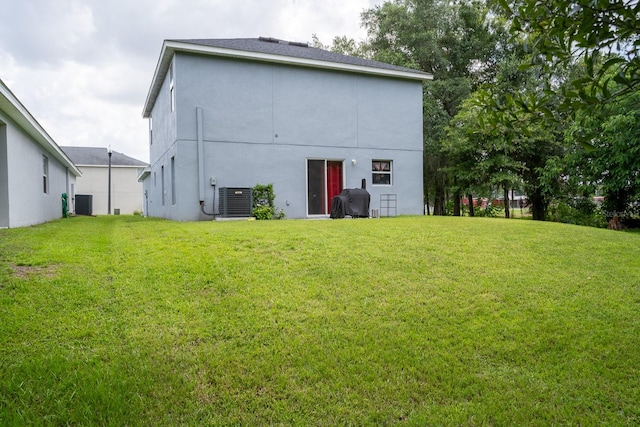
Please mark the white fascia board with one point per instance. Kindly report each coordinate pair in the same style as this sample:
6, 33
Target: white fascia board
144, 173
293, 60
113, 166
170, 47
26, 121
162, 67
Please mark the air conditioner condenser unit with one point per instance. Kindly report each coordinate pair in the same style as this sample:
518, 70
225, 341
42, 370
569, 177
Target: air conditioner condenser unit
235, 202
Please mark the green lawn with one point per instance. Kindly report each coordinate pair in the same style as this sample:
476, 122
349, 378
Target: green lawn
415, 320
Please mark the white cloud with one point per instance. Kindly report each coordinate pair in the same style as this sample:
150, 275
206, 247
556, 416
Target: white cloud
41, 31
83, 67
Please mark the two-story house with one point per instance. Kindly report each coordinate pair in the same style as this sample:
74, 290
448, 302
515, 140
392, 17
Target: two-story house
233, 113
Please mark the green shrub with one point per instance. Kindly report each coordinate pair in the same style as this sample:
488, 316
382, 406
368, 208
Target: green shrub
448, 208
490, 210
579, 211
263, 212
264, 203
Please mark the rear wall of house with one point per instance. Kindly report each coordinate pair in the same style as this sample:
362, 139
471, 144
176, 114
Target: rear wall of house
4, 178
261, 123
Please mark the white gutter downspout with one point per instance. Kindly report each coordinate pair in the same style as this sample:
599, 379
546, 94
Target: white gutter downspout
200, 154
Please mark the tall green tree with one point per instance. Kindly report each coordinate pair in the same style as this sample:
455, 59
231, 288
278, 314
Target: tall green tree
456, 41
481, 158
515, 110
614, 165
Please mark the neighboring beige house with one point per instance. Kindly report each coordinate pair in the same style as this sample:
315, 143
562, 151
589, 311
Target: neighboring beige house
126, 191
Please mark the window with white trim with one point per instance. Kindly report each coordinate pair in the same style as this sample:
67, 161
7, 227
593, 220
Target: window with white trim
381, 172
45, 174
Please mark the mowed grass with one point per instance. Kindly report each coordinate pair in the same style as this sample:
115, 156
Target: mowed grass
414, 320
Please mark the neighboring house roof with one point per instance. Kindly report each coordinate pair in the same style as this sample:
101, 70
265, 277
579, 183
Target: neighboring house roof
99, 156
275, 51
17, 112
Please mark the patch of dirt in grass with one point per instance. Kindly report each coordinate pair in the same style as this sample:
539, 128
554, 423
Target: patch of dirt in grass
204, 388
28, 271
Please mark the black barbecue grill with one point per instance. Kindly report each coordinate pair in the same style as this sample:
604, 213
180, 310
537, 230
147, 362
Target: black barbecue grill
353, 202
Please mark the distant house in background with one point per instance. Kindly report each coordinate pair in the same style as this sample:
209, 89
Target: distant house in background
227, 114
34, 171
126, 191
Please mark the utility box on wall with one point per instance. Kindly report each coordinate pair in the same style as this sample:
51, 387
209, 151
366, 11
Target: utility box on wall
235, 202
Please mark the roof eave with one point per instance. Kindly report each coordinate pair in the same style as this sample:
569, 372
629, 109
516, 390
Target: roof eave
170, 47
144, 173
93, 165
20, 115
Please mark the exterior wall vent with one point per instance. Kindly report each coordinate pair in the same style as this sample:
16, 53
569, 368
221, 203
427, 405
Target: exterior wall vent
235, 202
278, 41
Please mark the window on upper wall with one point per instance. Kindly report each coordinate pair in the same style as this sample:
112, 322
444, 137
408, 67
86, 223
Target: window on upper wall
164, 193
381, 172
45, 174
150, 130
171, 89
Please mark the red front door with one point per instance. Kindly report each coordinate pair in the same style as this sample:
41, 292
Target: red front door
334, 181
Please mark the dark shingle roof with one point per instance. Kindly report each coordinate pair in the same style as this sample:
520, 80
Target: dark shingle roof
99, 156
273, 46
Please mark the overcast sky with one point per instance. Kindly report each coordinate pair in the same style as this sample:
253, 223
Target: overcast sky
83, 67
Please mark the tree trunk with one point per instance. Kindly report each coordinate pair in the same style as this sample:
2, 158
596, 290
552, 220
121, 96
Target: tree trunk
456, 203
507, 212
472, 210
537, 205
438, 202
425, 179
426, 199
616, 224
440, 199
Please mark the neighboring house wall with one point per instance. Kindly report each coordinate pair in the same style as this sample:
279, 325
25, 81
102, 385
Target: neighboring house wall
23, 200
4, 177
126, 191
263, 123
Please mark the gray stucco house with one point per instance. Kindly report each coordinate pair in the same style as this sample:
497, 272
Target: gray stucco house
34, 171
233, 113
126, 190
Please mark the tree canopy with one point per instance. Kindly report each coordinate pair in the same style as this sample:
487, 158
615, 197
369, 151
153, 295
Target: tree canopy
603, 34
456, 42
